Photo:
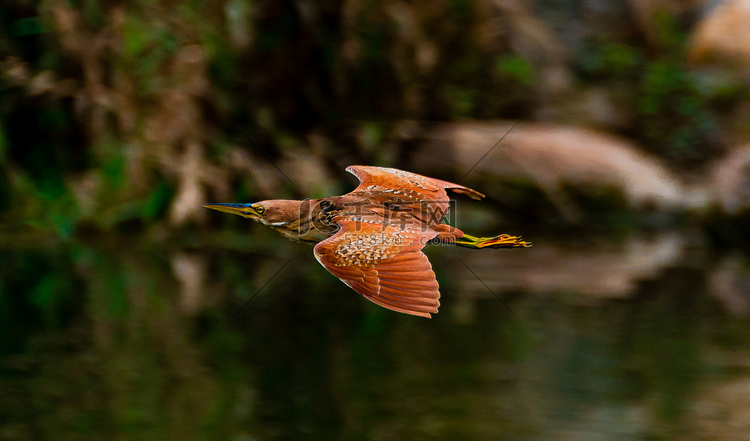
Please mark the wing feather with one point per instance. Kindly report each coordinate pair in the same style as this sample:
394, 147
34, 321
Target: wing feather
420, 196
371, 175
390, 270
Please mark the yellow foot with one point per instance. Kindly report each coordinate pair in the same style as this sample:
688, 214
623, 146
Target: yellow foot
501, 241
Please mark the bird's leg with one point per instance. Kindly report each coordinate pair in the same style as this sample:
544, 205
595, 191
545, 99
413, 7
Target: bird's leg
501, 241
449, 235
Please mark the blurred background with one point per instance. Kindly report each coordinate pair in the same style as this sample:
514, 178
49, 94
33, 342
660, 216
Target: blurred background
626, 163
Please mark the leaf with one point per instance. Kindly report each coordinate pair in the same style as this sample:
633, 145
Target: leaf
44, 291
29, 26
516, 68
135, 37
157, 204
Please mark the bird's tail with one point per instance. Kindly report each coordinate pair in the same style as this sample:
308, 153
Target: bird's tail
501, 241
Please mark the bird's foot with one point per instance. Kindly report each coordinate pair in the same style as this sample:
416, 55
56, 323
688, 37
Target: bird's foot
501, 241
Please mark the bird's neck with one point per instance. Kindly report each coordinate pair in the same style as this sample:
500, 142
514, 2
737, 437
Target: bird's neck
306, 222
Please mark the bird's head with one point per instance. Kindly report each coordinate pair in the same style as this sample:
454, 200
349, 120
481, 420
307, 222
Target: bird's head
273, 213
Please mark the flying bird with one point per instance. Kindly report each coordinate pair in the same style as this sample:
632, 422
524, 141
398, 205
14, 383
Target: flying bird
372, 238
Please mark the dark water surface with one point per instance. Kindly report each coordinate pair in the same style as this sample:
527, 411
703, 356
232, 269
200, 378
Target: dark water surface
646, 338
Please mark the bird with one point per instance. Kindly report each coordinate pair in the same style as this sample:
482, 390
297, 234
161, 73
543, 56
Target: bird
372, 238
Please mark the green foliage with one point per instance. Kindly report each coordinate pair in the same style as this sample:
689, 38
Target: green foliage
609, 59
156, 205
135, 36
674, 113
63, 214
159, 75
147, 45
677, 107
462, 100
28, 26
42, 287
516, 68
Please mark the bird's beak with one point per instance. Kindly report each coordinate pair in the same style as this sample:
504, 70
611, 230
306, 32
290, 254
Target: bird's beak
244, 210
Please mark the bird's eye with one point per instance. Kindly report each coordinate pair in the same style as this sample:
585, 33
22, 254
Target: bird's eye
259, 209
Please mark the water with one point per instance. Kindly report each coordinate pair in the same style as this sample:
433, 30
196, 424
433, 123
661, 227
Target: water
638, 339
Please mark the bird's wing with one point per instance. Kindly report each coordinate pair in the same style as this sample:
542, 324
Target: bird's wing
384, 263
395, 178
417, 193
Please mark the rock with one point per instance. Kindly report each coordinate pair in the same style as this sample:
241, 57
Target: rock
549, 155
723, 37
730, 181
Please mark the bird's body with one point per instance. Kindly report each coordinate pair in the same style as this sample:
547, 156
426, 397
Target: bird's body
372, 238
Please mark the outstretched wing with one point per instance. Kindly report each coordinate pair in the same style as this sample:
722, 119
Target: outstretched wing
395, 178
384, 263
420, 193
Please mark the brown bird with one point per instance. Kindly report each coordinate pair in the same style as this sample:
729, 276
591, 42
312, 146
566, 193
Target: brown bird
372, 238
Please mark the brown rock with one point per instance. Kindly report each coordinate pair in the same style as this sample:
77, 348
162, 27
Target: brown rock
730, 181
549, 155
723, 37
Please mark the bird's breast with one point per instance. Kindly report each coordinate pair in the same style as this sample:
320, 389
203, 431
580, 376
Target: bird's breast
313, 231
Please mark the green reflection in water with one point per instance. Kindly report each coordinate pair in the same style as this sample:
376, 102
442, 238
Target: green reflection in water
131, 341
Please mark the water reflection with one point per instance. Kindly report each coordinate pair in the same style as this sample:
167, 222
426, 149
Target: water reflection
638, 339
590, 271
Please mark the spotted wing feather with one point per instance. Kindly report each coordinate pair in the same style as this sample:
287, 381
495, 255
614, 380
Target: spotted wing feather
385, 176
426, 194
385, 264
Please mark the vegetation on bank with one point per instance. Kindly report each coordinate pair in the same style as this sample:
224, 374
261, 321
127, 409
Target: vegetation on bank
125, 116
